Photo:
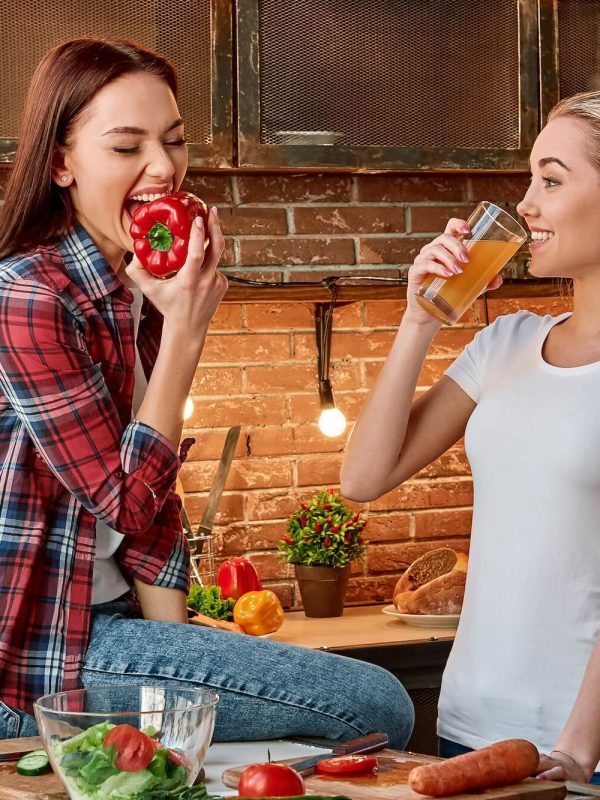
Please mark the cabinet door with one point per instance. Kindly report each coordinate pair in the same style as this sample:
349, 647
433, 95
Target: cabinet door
195, 35
570, 49
387, 83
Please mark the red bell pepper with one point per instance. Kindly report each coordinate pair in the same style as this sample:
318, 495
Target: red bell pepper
236, 576
161, 231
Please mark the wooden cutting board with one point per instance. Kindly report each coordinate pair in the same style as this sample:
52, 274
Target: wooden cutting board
21, 787
390, 783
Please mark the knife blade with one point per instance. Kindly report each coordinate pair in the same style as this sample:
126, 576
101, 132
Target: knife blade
362, 744
216, 490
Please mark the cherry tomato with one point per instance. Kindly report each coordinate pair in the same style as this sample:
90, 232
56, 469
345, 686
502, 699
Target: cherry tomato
135, 749
269, 780
346, 765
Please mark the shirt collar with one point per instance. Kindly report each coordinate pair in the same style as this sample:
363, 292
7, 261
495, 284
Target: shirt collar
86, 265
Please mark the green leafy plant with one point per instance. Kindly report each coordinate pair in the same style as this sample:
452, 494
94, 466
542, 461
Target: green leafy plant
324, 533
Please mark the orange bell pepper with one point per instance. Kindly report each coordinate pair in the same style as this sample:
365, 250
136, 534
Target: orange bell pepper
259, 612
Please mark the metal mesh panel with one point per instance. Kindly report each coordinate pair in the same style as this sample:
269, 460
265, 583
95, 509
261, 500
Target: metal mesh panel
578, 46
424, 735
181, 31
390, 73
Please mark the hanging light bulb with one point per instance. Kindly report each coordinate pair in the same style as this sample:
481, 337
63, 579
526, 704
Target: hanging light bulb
188, 409
331, 421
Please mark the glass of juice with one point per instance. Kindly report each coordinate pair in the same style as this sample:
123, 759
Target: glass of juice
495, 238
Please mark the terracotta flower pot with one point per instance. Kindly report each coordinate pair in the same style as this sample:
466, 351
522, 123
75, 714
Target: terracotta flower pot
322, 589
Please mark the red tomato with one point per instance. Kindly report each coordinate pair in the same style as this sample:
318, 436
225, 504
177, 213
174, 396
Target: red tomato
135, 749
269, 780
346, 765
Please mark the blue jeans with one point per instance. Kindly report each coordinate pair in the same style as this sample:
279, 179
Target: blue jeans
448, 749
267, 690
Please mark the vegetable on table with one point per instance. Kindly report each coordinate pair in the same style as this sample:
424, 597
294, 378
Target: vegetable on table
269, 780
346, 765
207, 600
34, 763
499, 764
161, 231
259, 613
236, 576
223, 624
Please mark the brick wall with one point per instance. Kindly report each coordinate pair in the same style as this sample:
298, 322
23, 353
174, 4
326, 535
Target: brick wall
259, 364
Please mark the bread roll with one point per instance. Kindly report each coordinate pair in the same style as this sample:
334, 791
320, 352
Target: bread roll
443, 595
429, 566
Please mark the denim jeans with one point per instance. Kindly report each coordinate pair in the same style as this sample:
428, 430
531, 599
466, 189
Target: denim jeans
448, 749
267, 689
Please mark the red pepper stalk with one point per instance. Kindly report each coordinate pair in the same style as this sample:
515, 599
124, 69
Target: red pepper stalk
161, 231
236, 576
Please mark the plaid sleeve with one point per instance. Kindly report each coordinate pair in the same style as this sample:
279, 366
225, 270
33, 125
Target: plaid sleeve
60, 396
161, 554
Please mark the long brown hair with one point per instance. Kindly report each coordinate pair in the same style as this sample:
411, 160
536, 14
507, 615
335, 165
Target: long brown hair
36, 211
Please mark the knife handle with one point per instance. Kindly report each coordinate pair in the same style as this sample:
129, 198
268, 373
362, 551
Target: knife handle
362, 744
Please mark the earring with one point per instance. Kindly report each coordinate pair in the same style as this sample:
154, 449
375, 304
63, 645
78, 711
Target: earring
63, 178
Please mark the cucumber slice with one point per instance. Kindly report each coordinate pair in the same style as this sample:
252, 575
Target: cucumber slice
35, 763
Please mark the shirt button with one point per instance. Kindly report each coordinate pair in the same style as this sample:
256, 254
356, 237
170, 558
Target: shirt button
119, 473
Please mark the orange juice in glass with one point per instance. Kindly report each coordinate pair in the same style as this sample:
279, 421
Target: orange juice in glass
495, 238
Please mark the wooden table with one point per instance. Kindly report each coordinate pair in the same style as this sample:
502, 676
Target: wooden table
416, 656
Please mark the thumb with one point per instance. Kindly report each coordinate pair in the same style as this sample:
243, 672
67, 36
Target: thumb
140, 276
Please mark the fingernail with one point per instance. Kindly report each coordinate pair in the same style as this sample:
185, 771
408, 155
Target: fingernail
216, 211
199, 222
465, 230
457, 268
464, 257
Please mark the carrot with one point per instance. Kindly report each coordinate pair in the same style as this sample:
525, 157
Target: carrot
202, 619
499, 764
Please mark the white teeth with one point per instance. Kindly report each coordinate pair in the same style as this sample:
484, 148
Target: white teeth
541, 236
146, 198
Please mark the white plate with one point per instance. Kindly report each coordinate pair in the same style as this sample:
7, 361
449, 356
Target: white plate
424, 620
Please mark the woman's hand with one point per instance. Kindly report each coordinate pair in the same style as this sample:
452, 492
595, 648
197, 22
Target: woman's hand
559, 766
190, 298
445, 256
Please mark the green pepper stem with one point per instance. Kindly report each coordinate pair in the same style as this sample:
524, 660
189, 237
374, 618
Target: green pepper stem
160, 237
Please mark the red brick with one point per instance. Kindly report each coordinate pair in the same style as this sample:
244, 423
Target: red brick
397, 557
349, 219
433, 219
426, 494
228, 257
245, 473
247, 348
309, 439
285, 188
450, 342
346, 316
296, 251
412, 188
280, 378
210, 188
251, 274
269, 441
228, 317
271, 567
209, 444
275, 504
452, 463
278, 316
296, 275
245, 410
499, 189
306, 409
217, 381
253, 221
231, 508
285, 592
389, 250
384, 313
362, 591
538, 305
388, 527
443, 522
432, 370
344, 375
239, 539
320, 470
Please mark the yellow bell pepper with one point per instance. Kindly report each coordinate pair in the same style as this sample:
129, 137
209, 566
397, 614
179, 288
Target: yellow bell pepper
259, 612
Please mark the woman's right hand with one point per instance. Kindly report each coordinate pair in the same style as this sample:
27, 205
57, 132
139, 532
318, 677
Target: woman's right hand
189, 299
444, 256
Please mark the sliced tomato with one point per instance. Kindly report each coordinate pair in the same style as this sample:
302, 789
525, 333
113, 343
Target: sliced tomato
135, 749
346, 765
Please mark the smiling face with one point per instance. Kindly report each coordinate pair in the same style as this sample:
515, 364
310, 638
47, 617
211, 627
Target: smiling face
128, 143
562, 202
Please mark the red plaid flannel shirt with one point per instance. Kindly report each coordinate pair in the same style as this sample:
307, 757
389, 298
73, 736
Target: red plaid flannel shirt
69, 455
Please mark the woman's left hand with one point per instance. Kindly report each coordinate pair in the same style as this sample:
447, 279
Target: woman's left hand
558, 766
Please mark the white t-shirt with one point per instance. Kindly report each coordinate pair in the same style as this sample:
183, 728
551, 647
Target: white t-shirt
108, 581
531, 612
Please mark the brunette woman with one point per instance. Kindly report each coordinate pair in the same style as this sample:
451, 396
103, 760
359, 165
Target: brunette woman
96, 361
526, 660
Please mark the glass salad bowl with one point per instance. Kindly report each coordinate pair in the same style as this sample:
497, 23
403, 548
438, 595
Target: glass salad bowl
127, 742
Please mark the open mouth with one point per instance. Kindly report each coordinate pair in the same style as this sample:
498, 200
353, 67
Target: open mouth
135, 201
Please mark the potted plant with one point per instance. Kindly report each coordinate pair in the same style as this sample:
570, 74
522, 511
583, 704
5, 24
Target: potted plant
322, 538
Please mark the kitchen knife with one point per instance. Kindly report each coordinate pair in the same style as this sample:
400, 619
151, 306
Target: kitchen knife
362, 744
216, 490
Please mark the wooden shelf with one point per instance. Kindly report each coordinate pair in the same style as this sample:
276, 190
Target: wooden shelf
350, 293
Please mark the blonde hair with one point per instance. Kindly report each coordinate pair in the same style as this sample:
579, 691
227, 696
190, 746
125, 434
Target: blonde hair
585, 107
